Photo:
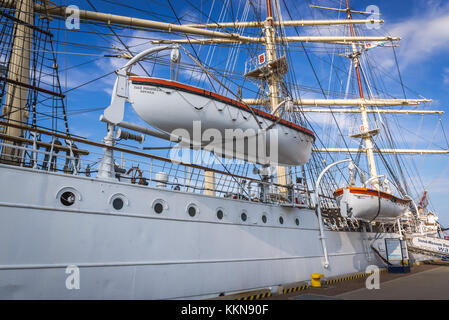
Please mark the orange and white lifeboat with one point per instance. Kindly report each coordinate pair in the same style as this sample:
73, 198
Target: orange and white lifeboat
370, 204
171, 105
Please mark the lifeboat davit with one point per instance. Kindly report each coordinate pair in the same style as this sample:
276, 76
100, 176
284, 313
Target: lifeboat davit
370, 204
170, 105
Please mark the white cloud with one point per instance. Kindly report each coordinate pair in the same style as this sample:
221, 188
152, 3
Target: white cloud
196, 74
446, 75
423, 35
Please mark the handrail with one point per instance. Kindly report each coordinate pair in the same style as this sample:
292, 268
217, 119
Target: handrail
7, 137
115, 111
318, 208
372, 179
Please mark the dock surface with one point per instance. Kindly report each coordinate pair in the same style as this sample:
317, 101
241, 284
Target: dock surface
431, 284
424, 282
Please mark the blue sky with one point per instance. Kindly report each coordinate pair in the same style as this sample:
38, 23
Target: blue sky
423, 59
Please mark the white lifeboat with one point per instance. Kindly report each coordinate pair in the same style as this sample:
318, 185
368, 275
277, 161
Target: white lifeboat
370, 204
170, 105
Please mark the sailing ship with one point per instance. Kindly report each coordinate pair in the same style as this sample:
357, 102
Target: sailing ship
164, 227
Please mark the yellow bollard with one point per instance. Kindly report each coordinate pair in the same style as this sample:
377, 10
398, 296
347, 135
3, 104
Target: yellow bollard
316, 279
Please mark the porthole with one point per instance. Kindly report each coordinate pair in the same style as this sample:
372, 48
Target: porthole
297, 221
264, 219
281, 220
243, 216
67, 198
117, 203
219, 214
158, 207
192, 210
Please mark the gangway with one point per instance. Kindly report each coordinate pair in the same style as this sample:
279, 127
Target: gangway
428, 245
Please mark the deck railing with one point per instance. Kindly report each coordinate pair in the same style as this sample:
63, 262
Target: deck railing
137, 167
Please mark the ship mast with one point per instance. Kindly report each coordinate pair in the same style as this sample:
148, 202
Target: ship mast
273, 79
365, 131
15, 110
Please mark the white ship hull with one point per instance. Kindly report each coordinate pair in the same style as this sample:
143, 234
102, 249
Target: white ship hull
370, 205
136, 253
169, 105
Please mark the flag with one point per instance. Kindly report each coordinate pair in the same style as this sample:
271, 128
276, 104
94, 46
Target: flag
372, 45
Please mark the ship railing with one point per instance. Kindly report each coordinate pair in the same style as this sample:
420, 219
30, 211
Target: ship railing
136, 167
29, 156
252, 64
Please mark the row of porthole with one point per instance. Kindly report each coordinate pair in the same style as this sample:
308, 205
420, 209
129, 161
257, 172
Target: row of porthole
244, 217
158, 208
68, 198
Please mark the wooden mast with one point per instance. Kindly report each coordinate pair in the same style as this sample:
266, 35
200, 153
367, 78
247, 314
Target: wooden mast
17, 90
15, 109
291, 23
273, 80
365, 125
344, 102
292, 39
